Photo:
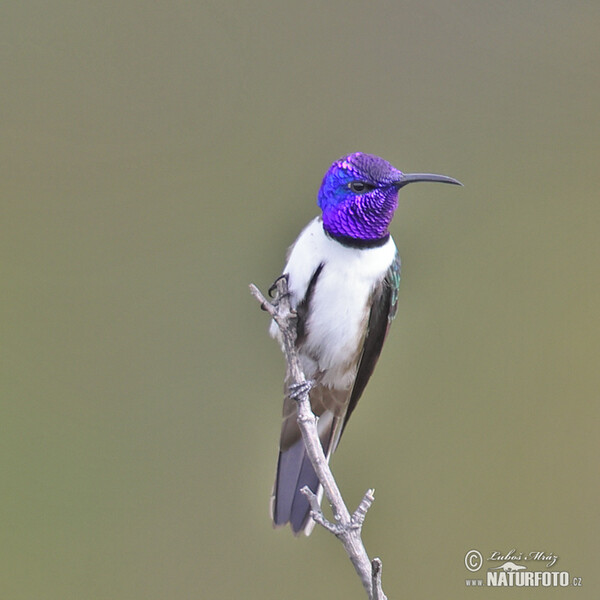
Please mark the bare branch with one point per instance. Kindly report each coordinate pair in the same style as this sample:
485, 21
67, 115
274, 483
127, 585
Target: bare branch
376, 567
317, 513
361, 511
347, 527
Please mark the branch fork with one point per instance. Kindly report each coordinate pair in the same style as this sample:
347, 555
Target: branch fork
347, 527
356, 519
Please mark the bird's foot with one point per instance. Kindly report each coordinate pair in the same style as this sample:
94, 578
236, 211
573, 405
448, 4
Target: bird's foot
298, 390
273, 287
280, 294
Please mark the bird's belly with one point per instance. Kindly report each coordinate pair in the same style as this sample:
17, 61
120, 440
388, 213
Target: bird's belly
336, 328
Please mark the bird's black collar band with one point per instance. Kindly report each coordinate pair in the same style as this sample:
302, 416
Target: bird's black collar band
359, 243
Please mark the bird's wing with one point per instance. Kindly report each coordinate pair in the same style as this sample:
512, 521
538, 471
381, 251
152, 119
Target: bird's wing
383, 310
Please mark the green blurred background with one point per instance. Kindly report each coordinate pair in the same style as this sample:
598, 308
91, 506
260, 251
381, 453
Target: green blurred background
158, 157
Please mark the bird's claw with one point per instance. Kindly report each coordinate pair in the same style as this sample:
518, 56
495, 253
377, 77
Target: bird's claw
298, 390
273, 287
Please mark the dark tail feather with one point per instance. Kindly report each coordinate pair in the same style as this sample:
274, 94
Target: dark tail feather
294, 471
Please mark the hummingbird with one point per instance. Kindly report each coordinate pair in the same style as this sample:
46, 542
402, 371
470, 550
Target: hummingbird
343, 275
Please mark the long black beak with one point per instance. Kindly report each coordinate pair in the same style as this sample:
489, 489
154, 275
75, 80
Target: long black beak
414, 177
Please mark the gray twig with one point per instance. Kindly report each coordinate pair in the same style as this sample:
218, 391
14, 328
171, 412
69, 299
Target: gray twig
347, 527
377, 593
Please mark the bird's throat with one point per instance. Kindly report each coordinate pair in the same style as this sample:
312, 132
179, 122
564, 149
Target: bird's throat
362, 223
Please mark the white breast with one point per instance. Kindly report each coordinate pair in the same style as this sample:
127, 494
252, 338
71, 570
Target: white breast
339, 308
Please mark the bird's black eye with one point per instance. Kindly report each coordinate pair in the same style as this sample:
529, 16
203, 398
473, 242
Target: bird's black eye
360, 187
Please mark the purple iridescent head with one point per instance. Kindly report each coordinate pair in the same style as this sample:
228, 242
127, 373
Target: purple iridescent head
359, 196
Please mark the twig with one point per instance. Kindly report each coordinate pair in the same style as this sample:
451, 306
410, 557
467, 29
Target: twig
347, 527
376, 567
